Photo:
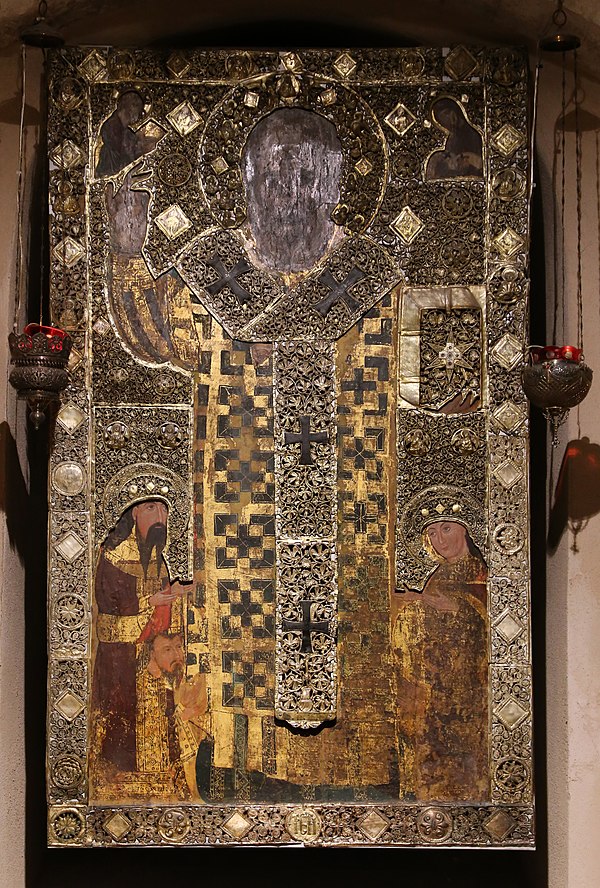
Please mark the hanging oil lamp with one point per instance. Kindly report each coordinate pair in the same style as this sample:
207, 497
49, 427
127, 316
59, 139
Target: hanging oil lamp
40, 354
555, 377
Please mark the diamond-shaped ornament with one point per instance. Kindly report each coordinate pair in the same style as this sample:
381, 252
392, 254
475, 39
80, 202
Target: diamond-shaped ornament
178, 64
69, 251
500, 825
508, 242
237, 826
508, 627
407, 224
219, 165
70, 547
75, 359
173, 221
101, 326
251, 100
184, 118
291, 61
508, 351
70, 418
117, 825
93, 66
363, 166
69, 705
345, 65
373, 825
508, 139
328, 97
508, 473
511, 713
509, 416
67, 155
400, 119
460, 63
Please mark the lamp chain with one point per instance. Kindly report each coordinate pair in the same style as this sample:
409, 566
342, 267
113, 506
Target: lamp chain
19, 199
578, 177
562, 192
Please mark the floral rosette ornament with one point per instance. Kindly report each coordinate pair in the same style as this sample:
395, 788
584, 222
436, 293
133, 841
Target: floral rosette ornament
556, 378
39, 356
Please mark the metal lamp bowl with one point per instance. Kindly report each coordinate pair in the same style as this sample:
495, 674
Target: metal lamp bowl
558, 383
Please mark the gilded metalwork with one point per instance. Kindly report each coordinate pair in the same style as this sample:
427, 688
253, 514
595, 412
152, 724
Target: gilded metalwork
68, 478
507, 140
67, 772
460, 63
435, 825
173, 221
407, 224
174, 825
67, 826
310, 429
117, 825
304, 824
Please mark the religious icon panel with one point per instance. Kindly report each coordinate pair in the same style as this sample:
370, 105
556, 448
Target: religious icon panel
289, 569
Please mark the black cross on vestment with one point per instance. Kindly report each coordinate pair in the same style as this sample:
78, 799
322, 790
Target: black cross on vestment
229, 279
304, 438
338, 291
306, 625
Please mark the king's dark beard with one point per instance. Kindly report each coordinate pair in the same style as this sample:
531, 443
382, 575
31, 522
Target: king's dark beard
175, 675
156, 539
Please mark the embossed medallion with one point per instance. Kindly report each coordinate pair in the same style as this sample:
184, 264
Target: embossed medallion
174, 825
68, 478
67, 772
434, 825
303, 824
68, 825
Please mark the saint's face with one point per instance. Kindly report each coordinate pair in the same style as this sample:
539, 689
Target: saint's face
130, 107
148, 514
449, 539
291, 167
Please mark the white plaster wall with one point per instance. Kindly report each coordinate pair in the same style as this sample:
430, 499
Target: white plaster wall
12, 745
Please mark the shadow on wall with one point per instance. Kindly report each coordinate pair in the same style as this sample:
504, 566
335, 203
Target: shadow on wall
14, 496
577, 496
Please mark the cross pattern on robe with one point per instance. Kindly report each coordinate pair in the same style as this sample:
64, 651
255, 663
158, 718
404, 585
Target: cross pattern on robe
305, 437
339, 291
307, 626
244, 541
229, 279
